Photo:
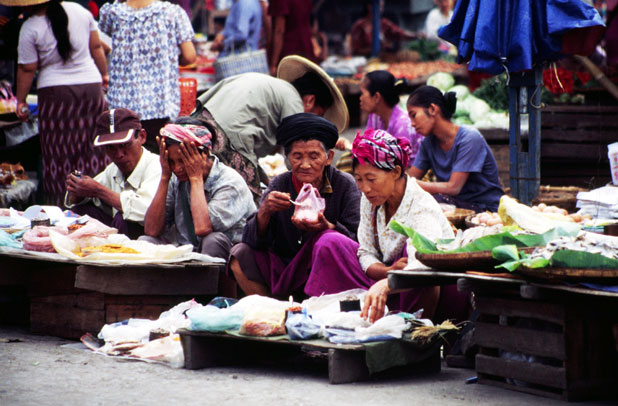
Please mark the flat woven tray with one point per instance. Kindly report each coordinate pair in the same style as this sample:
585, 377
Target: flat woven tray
568, 273
463, 261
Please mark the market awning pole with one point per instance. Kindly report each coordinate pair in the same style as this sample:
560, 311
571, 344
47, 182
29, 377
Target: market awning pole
376, 29
525, 164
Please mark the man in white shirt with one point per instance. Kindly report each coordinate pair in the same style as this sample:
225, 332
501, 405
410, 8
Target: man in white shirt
120, 195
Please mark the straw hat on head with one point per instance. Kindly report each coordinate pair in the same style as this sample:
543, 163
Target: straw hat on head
22, 3
293, 67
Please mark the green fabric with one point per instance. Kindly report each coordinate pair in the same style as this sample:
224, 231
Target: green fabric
382, 355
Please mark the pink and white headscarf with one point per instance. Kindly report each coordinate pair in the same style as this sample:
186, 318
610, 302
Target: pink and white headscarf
382, 150
188, 133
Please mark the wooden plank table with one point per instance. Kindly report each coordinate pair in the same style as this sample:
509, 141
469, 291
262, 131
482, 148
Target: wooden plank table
346, 362
548, 339
68, 298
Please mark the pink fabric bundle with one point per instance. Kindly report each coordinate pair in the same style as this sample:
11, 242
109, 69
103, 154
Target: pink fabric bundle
382, 150
188, 133
37, 238
311, 204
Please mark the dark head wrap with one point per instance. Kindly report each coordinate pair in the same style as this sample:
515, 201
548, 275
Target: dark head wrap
306, 126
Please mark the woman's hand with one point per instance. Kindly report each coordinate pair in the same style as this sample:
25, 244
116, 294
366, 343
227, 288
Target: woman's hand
197, 164
375, 301
399, 264
275, 201
313, 226
166, 172
105, 82
23, 111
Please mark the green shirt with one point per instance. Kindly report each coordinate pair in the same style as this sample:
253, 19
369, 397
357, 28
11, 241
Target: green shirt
249, 108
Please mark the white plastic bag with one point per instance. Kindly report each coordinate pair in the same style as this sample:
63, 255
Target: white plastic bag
311, 204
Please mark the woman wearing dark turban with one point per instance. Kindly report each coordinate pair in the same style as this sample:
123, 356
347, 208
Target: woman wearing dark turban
389, 194
279, 252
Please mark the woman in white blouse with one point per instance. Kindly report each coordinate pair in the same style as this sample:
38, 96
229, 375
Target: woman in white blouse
389, 194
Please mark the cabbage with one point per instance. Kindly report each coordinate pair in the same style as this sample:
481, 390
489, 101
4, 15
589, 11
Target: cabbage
461, 91
499, 119
441, 80
462, 120
478, 109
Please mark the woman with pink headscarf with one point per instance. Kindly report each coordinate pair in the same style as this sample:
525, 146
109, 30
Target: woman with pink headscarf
379, 165
199, 201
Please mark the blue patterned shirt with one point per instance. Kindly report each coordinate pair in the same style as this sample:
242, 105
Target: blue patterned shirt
229, 200
143, 69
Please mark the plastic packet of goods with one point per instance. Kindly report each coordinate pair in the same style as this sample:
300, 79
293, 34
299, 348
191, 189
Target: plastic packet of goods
310, 204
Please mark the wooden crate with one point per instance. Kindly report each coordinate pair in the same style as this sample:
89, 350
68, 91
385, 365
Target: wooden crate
574, 143
559, 350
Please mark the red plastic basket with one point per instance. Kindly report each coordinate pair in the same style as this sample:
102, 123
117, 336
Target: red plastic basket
188, 93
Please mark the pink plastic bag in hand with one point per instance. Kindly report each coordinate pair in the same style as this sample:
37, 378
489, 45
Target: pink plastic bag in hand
311, 204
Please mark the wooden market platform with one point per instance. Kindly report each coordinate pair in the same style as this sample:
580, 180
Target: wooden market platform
65, 298
538, 337
346, 363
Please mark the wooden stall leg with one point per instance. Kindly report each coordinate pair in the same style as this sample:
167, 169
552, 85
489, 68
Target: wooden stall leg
202, 352
346, 366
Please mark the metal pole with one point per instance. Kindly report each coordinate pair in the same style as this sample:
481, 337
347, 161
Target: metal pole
525, 163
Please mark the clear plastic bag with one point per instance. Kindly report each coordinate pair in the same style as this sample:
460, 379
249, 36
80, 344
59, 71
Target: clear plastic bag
310, 204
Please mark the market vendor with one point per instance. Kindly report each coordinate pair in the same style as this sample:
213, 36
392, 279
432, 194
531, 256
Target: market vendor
389, 194
245, 111
465, 168
279, 252
380, 98
120, 195
199, 201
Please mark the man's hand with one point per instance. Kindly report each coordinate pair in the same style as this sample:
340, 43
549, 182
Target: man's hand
83, 186
321, 224
343, 144
197, 164
166, 172
375, 301
217, 43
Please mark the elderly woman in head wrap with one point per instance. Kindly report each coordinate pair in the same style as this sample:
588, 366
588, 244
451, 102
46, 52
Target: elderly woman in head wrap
200, 200
280, 252
389, 194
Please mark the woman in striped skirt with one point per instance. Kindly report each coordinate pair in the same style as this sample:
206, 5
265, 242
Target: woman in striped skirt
60, 40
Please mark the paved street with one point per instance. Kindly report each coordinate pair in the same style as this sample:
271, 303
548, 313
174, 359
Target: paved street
40, 370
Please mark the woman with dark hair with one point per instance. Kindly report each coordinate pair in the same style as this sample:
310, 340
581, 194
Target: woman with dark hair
388, 194
380, 98
60, 40
459, 156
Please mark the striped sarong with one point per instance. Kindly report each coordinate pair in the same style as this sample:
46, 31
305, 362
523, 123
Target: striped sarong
67, 117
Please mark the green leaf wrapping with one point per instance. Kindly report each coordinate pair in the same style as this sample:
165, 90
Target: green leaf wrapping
486, 243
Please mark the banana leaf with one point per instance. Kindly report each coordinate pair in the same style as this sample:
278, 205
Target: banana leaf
486, 243
560, 259
581, 259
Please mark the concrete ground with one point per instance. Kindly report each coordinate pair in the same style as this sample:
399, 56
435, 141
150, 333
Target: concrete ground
41, 370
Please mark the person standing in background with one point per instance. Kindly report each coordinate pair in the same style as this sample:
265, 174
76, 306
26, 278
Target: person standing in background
437, 17
61, 42
150, 38
291, 27
361, 33
243, 28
